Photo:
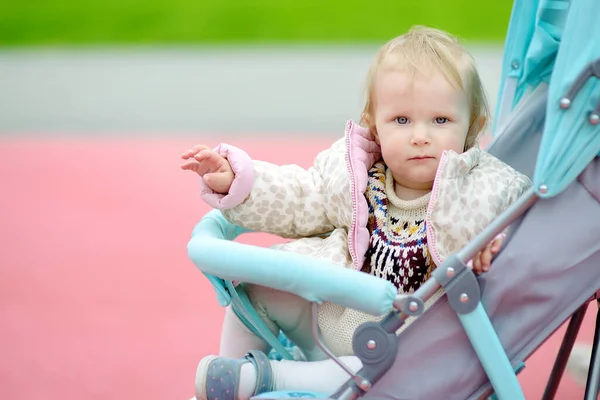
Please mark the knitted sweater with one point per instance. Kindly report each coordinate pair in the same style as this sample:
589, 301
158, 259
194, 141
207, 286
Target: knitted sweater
398, 248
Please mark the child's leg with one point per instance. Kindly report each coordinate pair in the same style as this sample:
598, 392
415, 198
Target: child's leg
278, 310
240, 378
237, 339
317, 376
235, 379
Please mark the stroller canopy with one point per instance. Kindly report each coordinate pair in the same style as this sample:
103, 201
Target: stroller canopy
557, 43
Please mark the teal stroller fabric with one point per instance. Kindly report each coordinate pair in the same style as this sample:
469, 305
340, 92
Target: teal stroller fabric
555, 42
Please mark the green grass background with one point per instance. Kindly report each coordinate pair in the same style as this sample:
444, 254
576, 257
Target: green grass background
82, 22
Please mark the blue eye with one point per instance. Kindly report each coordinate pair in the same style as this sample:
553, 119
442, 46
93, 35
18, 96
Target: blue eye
441, 120
402, 120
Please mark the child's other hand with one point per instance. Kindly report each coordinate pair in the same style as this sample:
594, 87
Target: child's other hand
483, 260
214, 169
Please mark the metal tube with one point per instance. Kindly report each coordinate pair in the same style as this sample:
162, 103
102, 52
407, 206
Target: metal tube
593, 379
564, 352
319, 342
425, 291
349, 394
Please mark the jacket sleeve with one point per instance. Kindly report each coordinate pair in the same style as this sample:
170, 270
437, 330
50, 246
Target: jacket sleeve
288, 200
518, 186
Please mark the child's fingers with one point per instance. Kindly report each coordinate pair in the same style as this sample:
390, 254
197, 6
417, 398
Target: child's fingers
205, 155
486, 259
193, 151
210, 159
477, 263
190, 165
496, 246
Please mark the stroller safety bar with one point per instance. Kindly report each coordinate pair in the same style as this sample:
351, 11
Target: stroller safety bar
216, 255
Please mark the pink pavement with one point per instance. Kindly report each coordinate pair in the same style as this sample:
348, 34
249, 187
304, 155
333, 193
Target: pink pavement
97, 297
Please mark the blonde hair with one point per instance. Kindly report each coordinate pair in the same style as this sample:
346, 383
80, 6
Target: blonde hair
423, 48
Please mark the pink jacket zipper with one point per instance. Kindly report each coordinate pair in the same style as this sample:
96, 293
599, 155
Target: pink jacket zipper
350, 166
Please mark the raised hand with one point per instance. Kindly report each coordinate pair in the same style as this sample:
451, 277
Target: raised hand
214, 169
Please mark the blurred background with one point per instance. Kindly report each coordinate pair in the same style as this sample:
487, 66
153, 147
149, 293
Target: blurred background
97, 101
183, 67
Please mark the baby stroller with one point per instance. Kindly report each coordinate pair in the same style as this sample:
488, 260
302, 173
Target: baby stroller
547, 127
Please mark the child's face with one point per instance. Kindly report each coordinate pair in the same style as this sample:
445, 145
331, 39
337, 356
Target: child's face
417, 118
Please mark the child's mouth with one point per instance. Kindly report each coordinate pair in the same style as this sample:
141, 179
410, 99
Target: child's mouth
421, 158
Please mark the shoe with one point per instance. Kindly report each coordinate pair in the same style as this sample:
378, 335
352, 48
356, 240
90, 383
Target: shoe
217, 377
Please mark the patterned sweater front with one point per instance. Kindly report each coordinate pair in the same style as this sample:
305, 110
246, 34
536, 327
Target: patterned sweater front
398, 248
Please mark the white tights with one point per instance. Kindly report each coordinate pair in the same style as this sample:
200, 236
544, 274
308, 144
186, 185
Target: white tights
291, 314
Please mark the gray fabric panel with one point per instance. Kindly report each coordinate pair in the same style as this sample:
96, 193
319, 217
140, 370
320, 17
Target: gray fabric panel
547, 270
518, 141
589, 179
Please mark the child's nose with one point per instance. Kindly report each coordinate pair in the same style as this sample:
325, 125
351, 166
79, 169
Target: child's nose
420, 135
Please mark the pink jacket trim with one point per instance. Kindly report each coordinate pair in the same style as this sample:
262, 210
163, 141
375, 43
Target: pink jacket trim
363, 153
243, 180
435, 255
